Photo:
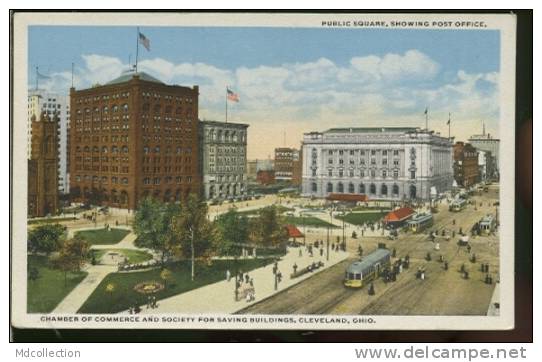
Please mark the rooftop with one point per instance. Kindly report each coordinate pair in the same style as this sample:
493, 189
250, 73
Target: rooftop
371, 129
127, 76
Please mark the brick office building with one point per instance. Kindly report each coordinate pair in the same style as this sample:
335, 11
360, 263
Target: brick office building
465, 164
284, 163
131, 138
43, 166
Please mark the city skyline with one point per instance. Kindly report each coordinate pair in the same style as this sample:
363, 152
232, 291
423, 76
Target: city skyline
299, 80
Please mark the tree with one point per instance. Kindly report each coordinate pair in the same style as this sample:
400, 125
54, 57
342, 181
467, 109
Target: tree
71, 257
268, 228
165, 275
153, 227
197, 235
45, 238
233, 229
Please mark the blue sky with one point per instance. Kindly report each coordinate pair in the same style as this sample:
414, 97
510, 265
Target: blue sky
301, 78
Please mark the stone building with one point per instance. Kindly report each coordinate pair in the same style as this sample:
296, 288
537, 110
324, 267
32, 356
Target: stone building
40, 100
388, 163
43, 166
223, 159
486, 142
131, 138
465, 164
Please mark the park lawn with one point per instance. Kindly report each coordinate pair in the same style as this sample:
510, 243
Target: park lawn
309, 221
124, 295
361, 217
51, 220
46, 292
134, 256
371, 208
103, 236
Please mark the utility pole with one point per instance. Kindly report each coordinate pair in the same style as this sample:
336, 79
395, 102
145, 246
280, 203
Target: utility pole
193, 253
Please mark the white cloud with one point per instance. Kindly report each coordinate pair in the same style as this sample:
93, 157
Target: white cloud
392, 89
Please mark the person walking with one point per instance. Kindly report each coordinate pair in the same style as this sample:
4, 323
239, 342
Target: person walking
295, 268
228, 275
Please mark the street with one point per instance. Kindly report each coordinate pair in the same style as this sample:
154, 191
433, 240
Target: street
443, 292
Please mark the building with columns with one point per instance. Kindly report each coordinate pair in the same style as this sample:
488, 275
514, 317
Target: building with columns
223, 159
385, 163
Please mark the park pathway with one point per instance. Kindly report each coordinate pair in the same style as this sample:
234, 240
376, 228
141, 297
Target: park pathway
73, 301
96, 273
219, 297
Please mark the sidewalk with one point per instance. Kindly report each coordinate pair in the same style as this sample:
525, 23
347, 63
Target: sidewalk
96, 273
73, 301
219, 297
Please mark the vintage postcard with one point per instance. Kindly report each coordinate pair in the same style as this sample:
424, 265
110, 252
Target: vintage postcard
263, 171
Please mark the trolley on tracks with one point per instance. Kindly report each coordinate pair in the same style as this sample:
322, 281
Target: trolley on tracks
360, 272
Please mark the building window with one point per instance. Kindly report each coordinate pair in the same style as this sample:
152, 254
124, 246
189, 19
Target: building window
384, 174
341, 173
341, 152
340, 188
395, 174
351, 188
329, 187
373, 173
395, 190
314, 187
313, 173
396, 152
412, 175
351, 152
361, 188
330, 173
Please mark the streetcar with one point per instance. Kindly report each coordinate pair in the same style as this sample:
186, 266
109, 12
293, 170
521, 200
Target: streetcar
458, 205
360, 272
487, 225
420, 222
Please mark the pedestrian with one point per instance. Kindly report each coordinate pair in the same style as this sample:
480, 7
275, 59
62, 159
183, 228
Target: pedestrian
247, 278
321, 252
279, 276
300, 252
148, 302
445, 265
295, 268
371, 289
469, 248
228, 275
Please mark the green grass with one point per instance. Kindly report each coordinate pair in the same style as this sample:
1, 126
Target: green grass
361, 218
134, 256
51, 220
103, 236
309, 221
46, 292
124, 295
374, 208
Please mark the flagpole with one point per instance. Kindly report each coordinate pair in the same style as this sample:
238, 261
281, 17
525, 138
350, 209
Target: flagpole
137, 48
37, 77
427, 119
72, 74
449, 126
226, 104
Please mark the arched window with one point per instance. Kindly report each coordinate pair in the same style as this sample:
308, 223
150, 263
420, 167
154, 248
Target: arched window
329, 187
351, 188
125, 181
384, 190
124, 149
395, 190
412, 192
314, 187
361, 188
146, 150
372, 189
340, 187
104, 149
157, 149
114, 149
115, 108
106, 110
125, 107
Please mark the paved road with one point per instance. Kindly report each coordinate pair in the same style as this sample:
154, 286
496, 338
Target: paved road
441, 293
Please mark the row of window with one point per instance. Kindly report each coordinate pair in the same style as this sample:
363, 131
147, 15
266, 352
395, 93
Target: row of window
103, 179
361, 152
102, 168
352, 173
167, 180
82, 100
351, 188
384, 161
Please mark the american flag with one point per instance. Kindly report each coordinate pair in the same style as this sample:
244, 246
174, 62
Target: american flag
143, 40
232, 96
